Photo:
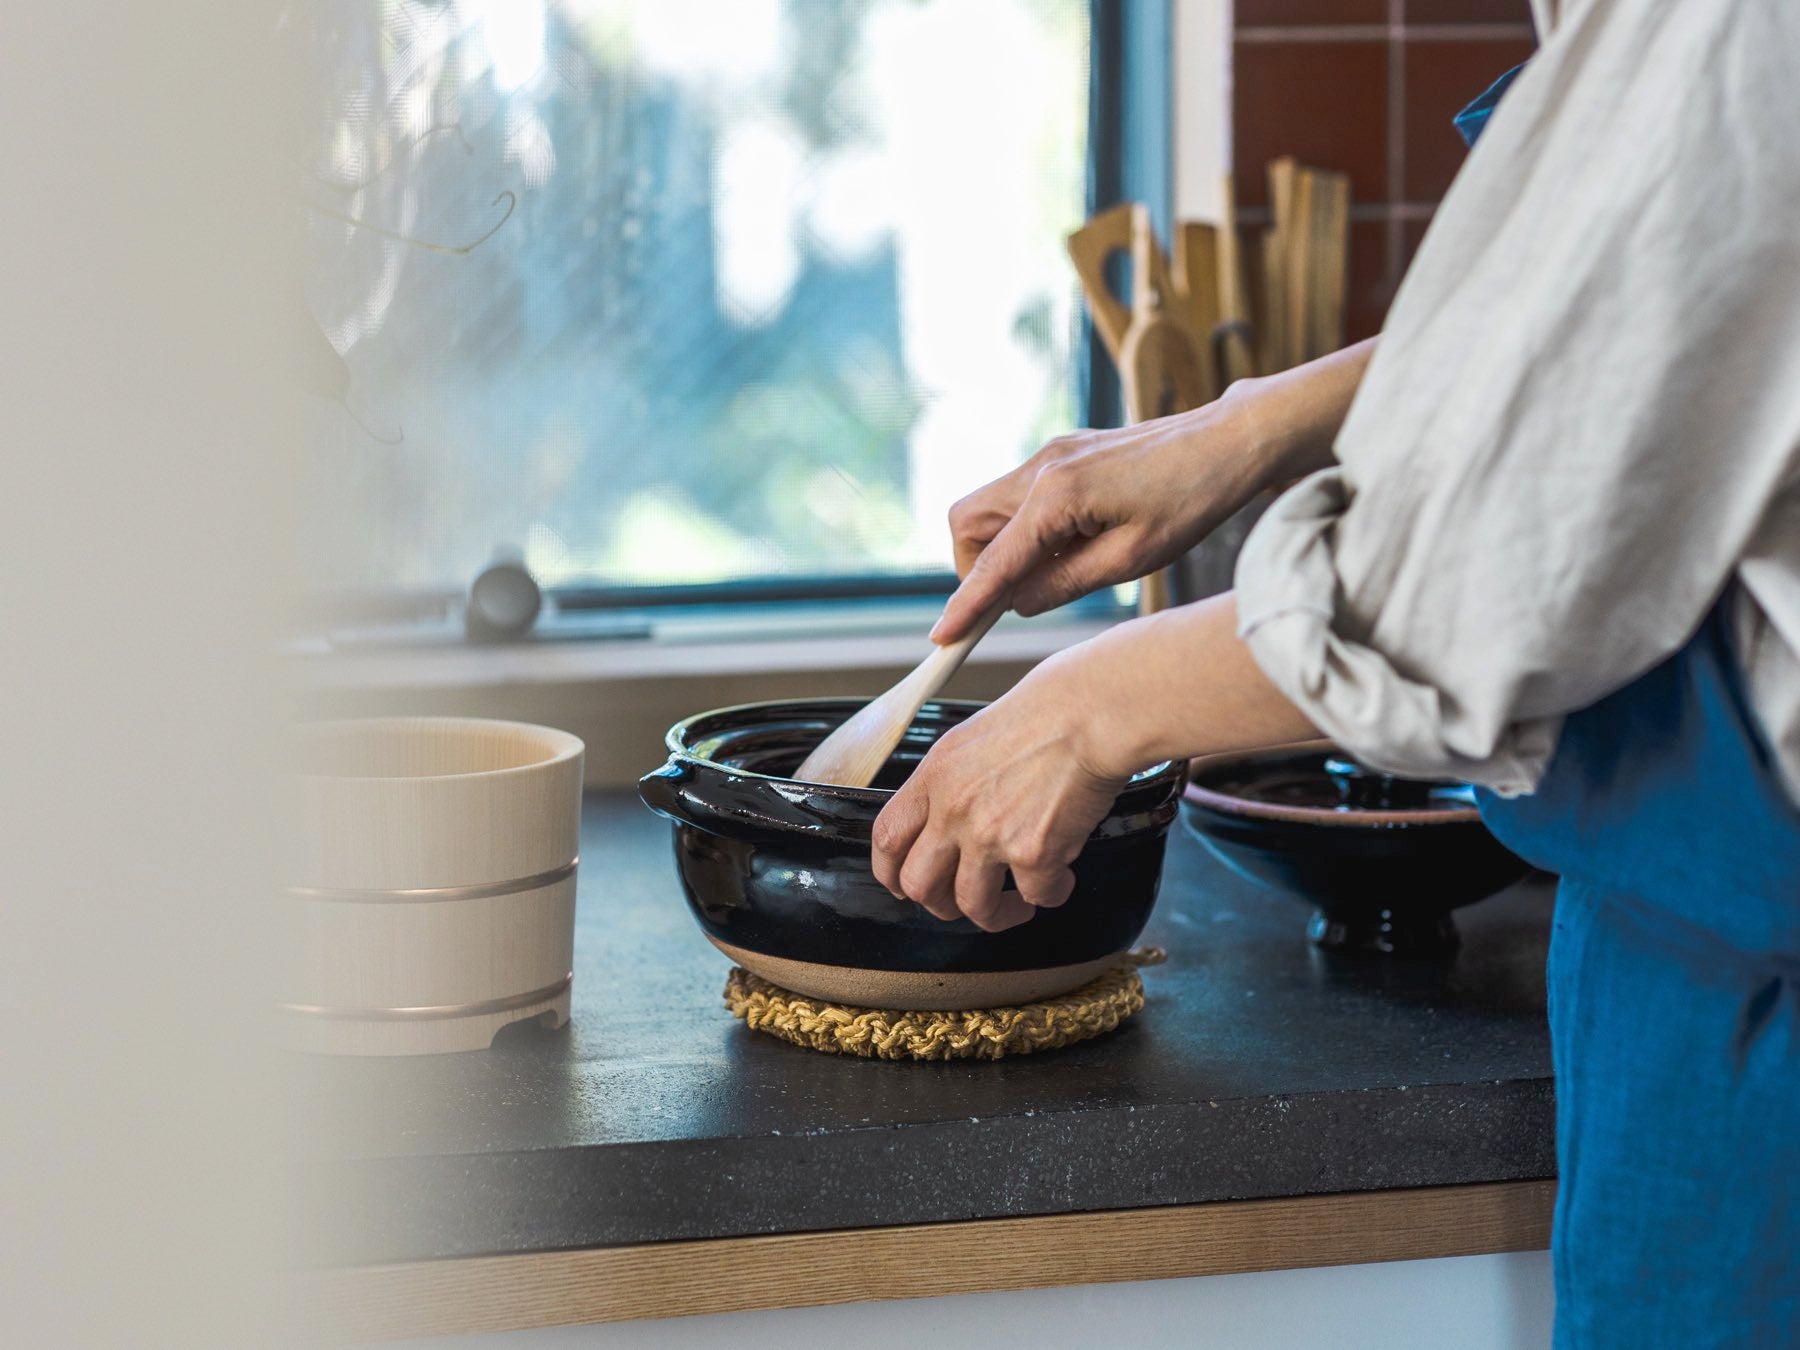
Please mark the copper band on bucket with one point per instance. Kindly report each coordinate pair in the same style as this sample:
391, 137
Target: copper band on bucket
483, 890
432, 1012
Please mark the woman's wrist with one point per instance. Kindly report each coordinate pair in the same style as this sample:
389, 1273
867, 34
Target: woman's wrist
1264, 427
1288, 422
1119, 719
1171, 685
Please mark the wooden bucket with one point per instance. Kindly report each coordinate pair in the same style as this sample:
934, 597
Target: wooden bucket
433, 895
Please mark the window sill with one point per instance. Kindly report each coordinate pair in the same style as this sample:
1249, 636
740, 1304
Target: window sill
621, 695
684, 647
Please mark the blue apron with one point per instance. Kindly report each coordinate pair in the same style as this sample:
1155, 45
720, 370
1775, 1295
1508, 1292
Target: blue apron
1674, 987
1674, 990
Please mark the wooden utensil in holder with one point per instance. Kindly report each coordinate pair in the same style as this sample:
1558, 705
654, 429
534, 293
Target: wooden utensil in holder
1162, 344
1304, 264
1187, 332
434, 884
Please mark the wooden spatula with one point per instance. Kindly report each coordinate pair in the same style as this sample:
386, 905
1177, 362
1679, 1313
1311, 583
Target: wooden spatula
1107, 233
853, 754
1160, 360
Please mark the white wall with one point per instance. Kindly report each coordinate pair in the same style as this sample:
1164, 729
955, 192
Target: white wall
1471, 1302
1202, 105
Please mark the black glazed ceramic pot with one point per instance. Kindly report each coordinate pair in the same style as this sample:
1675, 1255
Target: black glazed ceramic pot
777, 871
1383, 860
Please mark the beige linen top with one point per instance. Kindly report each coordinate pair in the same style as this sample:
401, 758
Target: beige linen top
1582, 425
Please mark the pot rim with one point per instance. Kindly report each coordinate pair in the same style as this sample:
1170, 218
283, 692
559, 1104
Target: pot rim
672, 741
1226, 804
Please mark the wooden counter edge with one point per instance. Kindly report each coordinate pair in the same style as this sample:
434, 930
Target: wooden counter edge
672, 1279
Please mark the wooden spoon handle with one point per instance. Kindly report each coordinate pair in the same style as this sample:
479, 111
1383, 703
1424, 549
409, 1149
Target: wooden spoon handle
946, 660
853, 754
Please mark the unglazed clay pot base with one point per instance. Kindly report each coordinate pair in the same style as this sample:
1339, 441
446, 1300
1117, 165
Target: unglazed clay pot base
917, 990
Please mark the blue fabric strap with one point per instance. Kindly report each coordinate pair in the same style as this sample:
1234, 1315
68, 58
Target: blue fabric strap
1473, 120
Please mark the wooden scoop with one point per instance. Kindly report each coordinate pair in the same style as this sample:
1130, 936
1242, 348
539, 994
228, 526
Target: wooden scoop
853, 754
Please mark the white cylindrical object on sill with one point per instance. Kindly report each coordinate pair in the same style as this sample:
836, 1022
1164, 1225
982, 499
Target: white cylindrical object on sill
432, 899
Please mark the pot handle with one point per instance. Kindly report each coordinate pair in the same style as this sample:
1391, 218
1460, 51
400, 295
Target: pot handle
660, 791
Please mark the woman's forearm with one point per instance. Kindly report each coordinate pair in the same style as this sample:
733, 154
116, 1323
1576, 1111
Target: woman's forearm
1293, 417
1174, 685
1095, 508
1182, 683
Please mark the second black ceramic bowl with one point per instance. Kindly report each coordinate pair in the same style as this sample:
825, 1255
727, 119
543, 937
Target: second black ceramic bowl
1383, 861
777, 871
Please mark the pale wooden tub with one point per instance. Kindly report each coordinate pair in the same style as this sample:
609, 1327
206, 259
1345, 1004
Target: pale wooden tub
433, 892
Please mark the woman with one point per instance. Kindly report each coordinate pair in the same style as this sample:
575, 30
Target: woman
1548, 541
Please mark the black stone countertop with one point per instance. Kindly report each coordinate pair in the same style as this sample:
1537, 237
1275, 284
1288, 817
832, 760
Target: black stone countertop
1259, 1067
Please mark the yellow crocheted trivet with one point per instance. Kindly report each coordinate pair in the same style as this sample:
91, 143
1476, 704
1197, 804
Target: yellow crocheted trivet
987, 1033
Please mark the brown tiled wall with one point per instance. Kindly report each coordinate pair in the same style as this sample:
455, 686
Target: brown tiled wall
1367, 87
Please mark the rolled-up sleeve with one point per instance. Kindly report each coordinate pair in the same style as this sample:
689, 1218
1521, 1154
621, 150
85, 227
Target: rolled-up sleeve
1290, 613
1585, 405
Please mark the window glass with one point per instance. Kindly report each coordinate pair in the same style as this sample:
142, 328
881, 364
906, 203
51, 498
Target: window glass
756, 287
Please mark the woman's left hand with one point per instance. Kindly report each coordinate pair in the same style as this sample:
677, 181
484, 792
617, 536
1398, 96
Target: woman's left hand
1018, 786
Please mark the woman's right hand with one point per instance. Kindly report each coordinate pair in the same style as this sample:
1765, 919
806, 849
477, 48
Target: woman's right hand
1100, 508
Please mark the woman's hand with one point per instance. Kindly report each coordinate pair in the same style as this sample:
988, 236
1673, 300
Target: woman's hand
1022, 784
1098, 508
1014, 787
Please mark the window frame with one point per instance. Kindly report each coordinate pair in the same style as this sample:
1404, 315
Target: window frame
1130, 141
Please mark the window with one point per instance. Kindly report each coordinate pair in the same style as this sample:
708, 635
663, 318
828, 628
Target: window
670, 292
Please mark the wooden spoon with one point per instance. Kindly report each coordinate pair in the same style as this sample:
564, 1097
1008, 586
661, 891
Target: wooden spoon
853, 754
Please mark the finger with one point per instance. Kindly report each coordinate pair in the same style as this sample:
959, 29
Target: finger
973, 532
978, 890
977, 518
994, 911
1027, 541
970, 541
928, 877
1044, 887
968, 549
896, 829
1082, 567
